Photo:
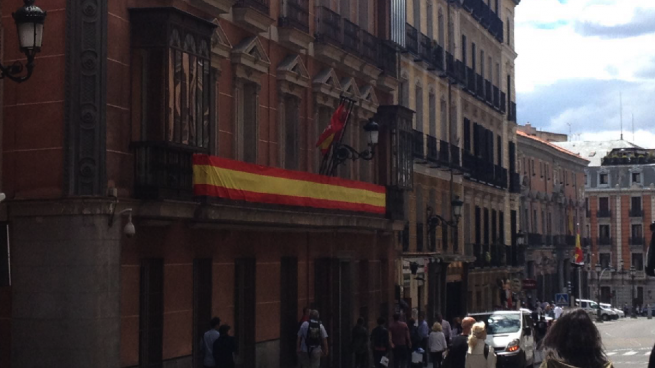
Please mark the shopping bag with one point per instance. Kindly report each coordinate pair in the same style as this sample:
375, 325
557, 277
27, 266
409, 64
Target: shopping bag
384, 361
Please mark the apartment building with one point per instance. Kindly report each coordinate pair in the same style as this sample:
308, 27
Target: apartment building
457, 74
552, 214
619, 205
196, 122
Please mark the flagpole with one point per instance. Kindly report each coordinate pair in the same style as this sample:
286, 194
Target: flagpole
331, 163
326, 157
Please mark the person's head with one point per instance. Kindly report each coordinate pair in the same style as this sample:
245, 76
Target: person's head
478, 333
438, 317
224, 330
305, 311
314, 315
575, 340
396, 317
215, 323
421, 316
360, 321
381, 321
436, 327
467, 323
457, 321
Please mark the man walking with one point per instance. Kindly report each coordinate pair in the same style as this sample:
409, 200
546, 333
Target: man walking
311, 343
207, 343
380, 342
459, 347
558, 311
400, 342
359, 344
445, 325
423, 334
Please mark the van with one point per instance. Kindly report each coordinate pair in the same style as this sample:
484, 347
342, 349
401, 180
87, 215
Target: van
591, 307
511, 334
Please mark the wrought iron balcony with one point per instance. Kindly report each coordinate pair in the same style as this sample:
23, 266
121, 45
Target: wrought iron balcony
370, 47
432, 149
444, 153
260, 5
636, 241
419, 145
163, 170
468, 162
479, 86
512, 111
496, 93
297, 15
604, 241
387, 58
487, 91
479, 256
515, 183
461, 73
351, 42
425, 48
419, 237
503, 104
604, 213
411, 39
438, 58
500, 176
636, 212
535, 240
328, 26
450, 67
454, 155
470, 80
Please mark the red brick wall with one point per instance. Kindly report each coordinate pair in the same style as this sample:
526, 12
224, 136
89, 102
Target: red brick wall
593, 208
648, 218
625, 232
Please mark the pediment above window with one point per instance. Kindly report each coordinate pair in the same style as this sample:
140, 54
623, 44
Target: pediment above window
213, 6
327, 87
250, 58
292, 70
221, 45
350, 88
369, 100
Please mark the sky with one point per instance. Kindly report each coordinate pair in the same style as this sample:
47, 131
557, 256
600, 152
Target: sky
578, 59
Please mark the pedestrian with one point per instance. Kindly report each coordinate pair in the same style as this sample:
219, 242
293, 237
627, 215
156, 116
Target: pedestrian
311, 343
456, 357
401, 342
456, 326
359, 343
305, 316
423, 334
558, 311
380, 342
447, 331
437, 345
651, 360
413, 334
479, 354
207, 343
574, 342
224, 348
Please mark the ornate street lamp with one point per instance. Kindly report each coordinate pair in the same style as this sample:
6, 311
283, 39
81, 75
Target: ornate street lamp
345, 152
29, 23
435, 220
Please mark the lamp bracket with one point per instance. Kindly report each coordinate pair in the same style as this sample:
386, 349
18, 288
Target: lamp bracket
14, 70
435, 220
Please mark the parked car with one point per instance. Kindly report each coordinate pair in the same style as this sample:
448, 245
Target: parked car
611, 313
591, 307
511, 334
619, 313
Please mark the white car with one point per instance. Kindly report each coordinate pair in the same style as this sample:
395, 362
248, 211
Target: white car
619, 313
591, 307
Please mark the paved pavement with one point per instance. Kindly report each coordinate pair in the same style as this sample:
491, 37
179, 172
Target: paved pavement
628, 342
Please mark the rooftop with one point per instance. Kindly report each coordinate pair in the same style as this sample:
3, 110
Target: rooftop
594, 151
555, 145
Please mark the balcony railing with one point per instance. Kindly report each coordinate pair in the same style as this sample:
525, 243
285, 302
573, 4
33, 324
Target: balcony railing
450, 66
486, 17
370, 47
479, 256
512, 111
432, 155
503, 104
260, 5
586, 242
638, 241
470, 80
515, 183
444, 153
438, 57
297, 15
454, 155
387, 58
570, 240
604, 213
496, 97
604, 241
351, 42
479, 86
419, 145
535, 239
425, 48
163, 170
411, 39
461, 73
328, 24
636, 212
419, 237
487, 91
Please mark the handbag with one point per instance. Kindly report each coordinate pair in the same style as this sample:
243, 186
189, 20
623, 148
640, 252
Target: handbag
384, 361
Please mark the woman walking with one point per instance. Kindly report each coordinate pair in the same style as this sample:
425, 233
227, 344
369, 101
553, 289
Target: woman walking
437, 345
479, 355
574, 342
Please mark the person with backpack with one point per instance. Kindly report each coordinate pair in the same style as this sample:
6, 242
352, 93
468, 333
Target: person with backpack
311, 343
359, 344
380, 343
479, 354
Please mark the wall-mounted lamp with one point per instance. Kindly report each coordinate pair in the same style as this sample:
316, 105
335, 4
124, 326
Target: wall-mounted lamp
2, 197
435, 220
129, 230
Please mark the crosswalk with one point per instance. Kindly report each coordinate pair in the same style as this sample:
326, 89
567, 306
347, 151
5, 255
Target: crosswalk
627, 353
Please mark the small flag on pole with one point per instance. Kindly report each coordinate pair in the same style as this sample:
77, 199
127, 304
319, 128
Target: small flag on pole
579, 256
334, 129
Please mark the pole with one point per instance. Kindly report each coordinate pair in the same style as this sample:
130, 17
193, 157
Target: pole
579, 282
633, 313
599, 317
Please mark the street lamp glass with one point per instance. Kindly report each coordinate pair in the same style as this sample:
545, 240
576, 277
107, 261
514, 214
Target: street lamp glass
29, 23
598, 267
457, 207
372, 129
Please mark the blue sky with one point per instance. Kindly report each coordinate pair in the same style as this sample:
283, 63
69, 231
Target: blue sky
576, 57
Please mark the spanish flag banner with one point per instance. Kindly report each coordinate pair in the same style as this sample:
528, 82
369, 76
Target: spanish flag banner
240, 181
579, 256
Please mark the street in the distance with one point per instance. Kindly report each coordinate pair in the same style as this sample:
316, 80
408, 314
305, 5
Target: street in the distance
628, 342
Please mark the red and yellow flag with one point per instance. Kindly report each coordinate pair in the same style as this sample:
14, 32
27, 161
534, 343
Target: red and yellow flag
333, 131
579, 256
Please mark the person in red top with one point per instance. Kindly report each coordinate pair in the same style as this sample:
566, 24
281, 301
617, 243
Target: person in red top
400, 342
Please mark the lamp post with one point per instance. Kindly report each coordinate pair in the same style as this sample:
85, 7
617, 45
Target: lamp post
435, 220
599, 272
29, 21
344, 152
632, 292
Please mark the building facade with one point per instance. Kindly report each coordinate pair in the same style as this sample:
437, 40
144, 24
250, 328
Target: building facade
132, 104
552, 215
457, 74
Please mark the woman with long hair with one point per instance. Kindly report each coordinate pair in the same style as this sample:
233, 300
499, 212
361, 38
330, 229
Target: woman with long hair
479, 354
574, 341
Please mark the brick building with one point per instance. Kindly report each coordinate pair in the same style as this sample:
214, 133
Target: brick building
124, 94
552, 213
619, 206
457, 74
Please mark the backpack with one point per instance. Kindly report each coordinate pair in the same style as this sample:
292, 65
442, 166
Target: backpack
381, 338
313, 337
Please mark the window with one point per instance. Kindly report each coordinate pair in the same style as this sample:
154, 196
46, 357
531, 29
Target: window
478, 226
532, 164
605, 260
432, 119
171, 79
428, 14
604, 231
419, 108
636, 178
638, 261
365, 166
291, 126
547, 172
473, 56
248, 146
603, 179
586, 179
636, 204
636, 231
489, 66
441, 28
420, 218
482, 63
603, 204
509, 34
464, 46
541, 169
534, 221
443, 133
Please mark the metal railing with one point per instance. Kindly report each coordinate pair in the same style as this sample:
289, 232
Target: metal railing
163, 170
351, 42
487, 91
604, 240
297, 15
604, 213
639, 241
444, 152
503, 104
425, 47
395, 203
260, 5
496, 93
512, 112
328, 26
479, 86
419, 237
515, 183
432, 154
450, 66
636, 212
454, 155
370, 47
411, 39
535, 239
418, 148
438, 57
470, 80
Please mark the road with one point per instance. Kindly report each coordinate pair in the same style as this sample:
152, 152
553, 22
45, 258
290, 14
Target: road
628, 342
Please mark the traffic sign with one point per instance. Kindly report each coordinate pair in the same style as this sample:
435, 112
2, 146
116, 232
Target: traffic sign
529, 284
562, 299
